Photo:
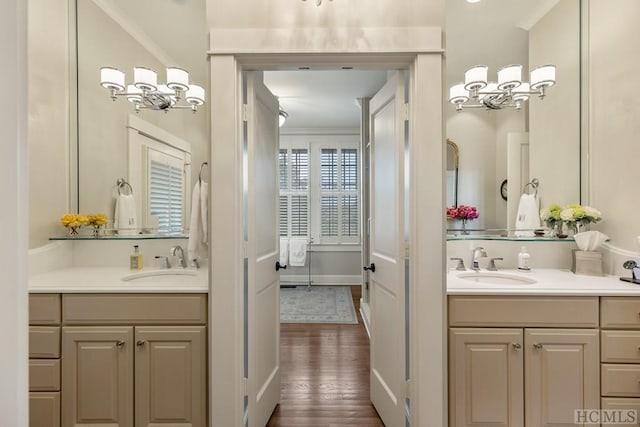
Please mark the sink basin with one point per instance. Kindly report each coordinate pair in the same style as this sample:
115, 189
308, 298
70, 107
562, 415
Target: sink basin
160, 276
495, 278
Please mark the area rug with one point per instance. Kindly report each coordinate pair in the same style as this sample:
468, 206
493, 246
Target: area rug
321, 304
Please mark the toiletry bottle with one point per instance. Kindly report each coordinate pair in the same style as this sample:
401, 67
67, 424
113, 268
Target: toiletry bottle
523, 259
135, 260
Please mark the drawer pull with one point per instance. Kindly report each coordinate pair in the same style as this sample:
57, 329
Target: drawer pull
516, 346
140, 343
537, 346
120, 344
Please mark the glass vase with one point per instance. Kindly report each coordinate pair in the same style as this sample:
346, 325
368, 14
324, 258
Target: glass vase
464, 227
559, 230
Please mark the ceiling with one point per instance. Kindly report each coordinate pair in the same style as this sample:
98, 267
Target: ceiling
491, 32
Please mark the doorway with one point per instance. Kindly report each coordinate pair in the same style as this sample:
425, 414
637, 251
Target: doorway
427, 396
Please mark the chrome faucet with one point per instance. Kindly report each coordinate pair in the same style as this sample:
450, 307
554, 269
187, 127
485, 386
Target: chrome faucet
477, 253
181, 262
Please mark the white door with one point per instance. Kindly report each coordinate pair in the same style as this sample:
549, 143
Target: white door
263, 282
387, 249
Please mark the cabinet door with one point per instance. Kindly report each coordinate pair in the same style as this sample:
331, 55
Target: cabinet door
97, 376
485, 377
562, 375
171, 376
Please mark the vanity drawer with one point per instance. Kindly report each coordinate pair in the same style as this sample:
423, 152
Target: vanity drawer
624, 405
44, 309
620, 380
44, 342
44, 375
620, 346
620, 313
148, 309
44, 409
523, 311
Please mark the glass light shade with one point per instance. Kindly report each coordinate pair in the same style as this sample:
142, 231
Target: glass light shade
543, 76
177, 78
473, 1
491, 87
111, 78
134, 94
458, 94
509, 77
475, 77
520, 94
145, 78
195, 95
282, 117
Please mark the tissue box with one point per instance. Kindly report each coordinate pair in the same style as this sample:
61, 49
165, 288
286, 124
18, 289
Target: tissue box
588, 263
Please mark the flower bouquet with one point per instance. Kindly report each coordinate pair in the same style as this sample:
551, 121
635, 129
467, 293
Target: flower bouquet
576, 217
97, 221
464, 213
73, 222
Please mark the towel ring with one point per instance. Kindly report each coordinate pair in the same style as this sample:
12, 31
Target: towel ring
122, 183
200, 173
533, 184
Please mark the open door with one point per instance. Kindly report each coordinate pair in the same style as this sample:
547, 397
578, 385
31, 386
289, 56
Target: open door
387, 252
262, 290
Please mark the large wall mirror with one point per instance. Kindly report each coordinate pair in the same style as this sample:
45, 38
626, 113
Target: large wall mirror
542, 139
126, 34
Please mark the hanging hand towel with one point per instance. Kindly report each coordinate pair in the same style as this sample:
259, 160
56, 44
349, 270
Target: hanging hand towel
125, 221
297, 252
284, 252
528, 217
198, 227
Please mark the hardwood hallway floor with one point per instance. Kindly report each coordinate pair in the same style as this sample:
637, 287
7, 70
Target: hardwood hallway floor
325, 375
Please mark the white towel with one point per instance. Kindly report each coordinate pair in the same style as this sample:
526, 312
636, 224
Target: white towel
198, 225
284, 252
124, 217
528, 217
297, 252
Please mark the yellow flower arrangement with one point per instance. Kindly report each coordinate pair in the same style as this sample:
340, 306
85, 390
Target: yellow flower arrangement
96, 219
74, 221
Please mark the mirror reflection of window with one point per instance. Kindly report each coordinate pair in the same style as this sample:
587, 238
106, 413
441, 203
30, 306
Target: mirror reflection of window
453, 159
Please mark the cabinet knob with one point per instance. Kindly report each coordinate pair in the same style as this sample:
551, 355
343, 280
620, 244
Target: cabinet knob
120, 344
140, 343
537, 346
516, 345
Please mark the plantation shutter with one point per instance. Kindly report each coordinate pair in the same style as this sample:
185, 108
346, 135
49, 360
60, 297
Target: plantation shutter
294, 192
166, 189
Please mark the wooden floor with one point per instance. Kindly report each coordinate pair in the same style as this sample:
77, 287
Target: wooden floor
325, 375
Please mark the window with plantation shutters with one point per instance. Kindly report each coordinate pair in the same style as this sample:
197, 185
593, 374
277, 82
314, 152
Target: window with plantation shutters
294, 192
166, 190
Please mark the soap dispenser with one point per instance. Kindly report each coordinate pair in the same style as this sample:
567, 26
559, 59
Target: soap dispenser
523, 259
135, 260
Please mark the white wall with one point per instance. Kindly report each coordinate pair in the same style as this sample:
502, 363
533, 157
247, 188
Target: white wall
614, 119
554, 133
14, 216
48, 117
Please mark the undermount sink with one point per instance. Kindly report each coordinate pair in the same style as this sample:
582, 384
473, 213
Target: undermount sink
490, 277
159, 276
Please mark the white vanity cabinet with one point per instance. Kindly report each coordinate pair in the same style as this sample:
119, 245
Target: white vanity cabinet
522, 360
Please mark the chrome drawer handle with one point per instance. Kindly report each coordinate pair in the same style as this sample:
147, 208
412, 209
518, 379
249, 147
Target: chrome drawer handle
516, 346
140, 343
120, 344
537, 346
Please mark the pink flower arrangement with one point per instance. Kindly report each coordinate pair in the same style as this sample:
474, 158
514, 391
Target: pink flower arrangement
462, 212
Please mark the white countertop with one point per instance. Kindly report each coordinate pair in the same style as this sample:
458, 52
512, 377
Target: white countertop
548, 282
109, 280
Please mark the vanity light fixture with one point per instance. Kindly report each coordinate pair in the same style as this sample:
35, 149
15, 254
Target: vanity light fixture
282, 117
509, 91
147, 93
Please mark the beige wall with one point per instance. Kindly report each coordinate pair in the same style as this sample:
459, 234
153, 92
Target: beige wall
554, 131
48, 79
614, 118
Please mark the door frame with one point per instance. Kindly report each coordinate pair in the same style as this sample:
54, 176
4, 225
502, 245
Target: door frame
427, 388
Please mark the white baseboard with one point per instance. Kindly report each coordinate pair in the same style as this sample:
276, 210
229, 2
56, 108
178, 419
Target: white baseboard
322, 279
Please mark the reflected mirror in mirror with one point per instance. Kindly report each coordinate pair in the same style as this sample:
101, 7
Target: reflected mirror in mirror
542, 139
453, 160
154, 151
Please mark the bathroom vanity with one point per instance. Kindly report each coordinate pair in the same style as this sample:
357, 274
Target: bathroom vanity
530, 353
107, 351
